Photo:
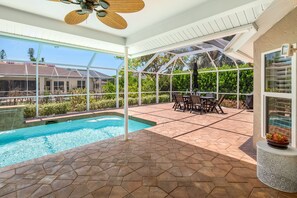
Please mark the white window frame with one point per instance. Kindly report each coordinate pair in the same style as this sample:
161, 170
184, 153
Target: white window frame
291, 96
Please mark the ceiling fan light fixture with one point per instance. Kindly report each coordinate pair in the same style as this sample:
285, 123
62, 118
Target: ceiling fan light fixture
101, 13
80, 12
104, 4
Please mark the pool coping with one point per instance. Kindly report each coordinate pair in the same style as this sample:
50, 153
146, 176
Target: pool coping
65, 118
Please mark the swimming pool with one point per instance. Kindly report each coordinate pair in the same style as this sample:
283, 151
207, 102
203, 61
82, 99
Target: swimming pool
33, 142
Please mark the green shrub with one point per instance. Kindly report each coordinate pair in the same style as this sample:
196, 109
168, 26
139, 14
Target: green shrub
133, 101
103, 104
164, 98
47, 109
148, 99
30, 111
80, 107
53, 109
77, 101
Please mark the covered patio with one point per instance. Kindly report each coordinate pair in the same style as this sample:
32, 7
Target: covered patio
185, 154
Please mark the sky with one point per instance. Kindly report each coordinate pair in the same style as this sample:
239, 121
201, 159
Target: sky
17, 49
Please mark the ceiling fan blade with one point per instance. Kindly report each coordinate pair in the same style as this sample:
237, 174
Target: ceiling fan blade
126, 6
74, 17
64, 1
113, 20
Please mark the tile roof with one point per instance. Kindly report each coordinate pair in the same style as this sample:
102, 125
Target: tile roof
23, 69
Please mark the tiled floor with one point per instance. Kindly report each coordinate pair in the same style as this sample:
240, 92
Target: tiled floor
185, 155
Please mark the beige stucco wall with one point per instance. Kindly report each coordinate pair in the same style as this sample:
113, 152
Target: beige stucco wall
285, 31
72, 82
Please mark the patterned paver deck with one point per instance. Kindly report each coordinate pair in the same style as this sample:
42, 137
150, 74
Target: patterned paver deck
184, 155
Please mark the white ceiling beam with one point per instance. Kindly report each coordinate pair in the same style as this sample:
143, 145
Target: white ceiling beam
237, 30
239, 55
22, 17
203, 12
238, 41
197, 52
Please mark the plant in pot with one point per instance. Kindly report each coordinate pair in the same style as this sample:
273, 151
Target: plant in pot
277, 139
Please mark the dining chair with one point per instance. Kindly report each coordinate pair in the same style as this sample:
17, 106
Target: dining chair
195, 102
217, 104
180, 102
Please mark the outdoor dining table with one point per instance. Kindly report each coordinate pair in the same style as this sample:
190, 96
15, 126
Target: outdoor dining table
207, 100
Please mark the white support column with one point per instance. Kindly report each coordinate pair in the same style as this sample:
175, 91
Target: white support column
37, 80
157, 88
126, 116
118, 89
191, 83
238, 95
170, 88
139, 88
88, 89
88, 80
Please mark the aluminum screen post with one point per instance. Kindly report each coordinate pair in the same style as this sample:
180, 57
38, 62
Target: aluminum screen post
88, 80
37, 80
126, 106
157, 88
139, 88
238, 94
118, 89
191, 83
170, 84
218, 83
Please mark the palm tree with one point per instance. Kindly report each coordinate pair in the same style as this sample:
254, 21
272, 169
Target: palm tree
3, 54
31, 53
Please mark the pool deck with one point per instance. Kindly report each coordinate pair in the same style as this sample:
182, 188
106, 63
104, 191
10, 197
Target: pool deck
184, 155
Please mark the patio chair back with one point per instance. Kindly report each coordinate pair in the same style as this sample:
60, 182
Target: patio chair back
195, 99
179, 98
221, 99
174, 97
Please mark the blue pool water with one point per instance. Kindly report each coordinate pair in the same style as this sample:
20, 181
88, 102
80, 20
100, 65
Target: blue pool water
280, 121
33, 142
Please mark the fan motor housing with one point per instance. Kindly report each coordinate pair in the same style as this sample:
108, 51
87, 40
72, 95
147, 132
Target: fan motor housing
87, 7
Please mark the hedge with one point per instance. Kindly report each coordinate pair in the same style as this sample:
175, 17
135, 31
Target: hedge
65, 107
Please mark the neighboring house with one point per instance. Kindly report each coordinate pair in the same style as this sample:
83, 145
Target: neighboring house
18, 79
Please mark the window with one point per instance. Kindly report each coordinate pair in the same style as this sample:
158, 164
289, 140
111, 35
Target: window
278, 73
67, 86
19, 85
4, 88
279, 116
47, 86
81, 84
32, 85
59, 85
279, 95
